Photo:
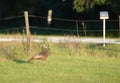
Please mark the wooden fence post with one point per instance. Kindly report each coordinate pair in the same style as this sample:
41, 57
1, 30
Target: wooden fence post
27, 29
84, 28
77, 26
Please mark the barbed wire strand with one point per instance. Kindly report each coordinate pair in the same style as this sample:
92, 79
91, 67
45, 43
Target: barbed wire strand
35, 27
3, 30
9, 18
69, 30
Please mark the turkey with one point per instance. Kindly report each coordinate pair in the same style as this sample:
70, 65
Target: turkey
43, 55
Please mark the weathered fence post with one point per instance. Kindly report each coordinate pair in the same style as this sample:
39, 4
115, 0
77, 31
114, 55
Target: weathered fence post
84, 28
27, 29
77, 26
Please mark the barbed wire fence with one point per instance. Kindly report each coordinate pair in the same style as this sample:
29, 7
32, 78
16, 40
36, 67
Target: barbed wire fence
38, 25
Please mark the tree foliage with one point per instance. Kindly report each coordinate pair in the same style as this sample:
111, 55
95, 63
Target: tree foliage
115, 6
82, 5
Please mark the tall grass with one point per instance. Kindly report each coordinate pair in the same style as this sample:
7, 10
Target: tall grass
15, 50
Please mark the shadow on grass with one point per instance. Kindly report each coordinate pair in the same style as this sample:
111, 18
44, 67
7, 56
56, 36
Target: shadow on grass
20, 61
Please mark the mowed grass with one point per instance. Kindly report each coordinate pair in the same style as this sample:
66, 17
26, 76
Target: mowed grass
63, 69
68, 62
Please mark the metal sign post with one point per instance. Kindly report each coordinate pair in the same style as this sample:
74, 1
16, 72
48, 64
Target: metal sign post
104, 15
103, 32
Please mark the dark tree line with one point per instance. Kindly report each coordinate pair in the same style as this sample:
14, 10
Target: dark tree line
61, 8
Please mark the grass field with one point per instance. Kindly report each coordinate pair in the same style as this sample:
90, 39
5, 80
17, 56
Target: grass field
68, 62
63, 69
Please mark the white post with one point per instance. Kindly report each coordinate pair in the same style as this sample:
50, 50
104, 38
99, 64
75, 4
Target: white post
49, 17
103, 32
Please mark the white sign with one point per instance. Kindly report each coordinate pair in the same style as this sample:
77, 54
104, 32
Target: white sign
104, 15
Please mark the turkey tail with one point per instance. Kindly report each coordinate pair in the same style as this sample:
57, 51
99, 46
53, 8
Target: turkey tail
30, 59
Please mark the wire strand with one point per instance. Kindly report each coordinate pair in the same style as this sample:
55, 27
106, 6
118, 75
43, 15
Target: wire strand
35, 27
11, 29
9, 18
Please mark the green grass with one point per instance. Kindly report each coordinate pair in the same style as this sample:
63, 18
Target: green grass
62, 69
68, 62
